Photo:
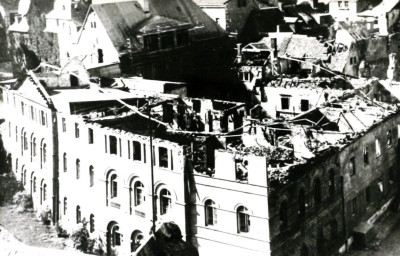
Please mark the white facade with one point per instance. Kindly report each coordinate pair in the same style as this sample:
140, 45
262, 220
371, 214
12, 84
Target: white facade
27, 135
94, 41
343, 10
99, 174
217, 12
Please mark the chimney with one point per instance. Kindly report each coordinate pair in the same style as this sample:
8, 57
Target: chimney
278, 28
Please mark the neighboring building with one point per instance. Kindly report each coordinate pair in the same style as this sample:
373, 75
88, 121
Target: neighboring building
164, 40
65, 20
215, 9
35, 39
385, 17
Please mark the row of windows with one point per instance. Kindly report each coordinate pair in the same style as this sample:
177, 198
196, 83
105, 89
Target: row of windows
113, 146
33, 145
242, 216
137, 195
285, 104
78, 169
366, 158
30, 111
301, 200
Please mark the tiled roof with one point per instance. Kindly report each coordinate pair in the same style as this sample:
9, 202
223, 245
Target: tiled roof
122, 20
157, 24
118, 19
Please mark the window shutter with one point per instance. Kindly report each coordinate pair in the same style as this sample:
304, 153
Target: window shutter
215, 215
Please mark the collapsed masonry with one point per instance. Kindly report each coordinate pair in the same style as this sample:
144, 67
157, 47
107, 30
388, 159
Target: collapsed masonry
345, 114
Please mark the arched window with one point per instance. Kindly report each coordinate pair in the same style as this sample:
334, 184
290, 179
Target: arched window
210, 212
317, 191
165, 201
78, 168
43, 153
302, 202
34, 184
115, 236
332, 183
136, 240
91, 223
25, 141
34, 147
91, 176
78, 214
114, 186
65, 163
243, 219
24, 177
65, 206
283, 215
44, 192
138, 189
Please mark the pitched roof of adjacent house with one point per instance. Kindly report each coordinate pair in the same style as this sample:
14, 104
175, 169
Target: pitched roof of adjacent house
187, 11
118, 19
124, 20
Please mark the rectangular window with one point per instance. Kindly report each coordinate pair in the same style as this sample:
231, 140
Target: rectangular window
398, 131
129, 149
105, 142
354, 206
90, 135
113, 145
137, 154
144, 153
285, 103
163, 157
64, 125
172, 160
304, 105
389, 138
120, 147
377, 147
32, 113
365, 154
42, 117
76, 130
22, 108
167, 40
9, 129
352, 166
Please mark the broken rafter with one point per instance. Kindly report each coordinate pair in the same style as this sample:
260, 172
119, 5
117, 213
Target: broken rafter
134, 109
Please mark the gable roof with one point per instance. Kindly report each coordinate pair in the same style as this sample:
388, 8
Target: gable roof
188, 11
118, 18
124, 20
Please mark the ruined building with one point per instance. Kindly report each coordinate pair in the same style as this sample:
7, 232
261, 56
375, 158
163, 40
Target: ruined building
233, 180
